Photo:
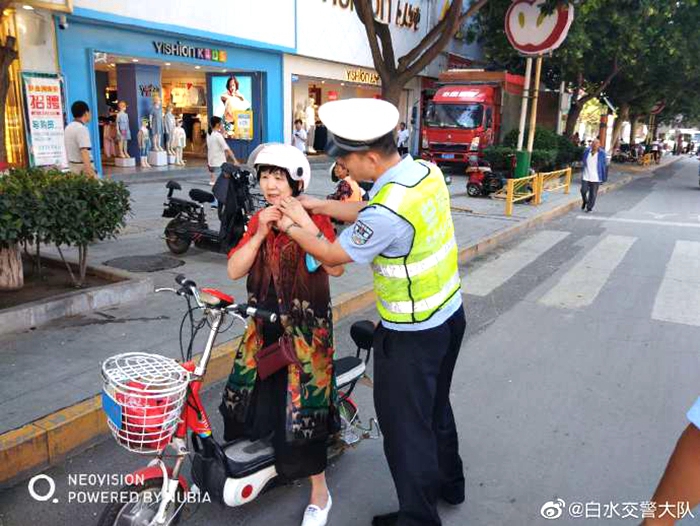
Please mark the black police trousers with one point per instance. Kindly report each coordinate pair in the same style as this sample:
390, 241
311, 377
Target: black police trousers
412, 378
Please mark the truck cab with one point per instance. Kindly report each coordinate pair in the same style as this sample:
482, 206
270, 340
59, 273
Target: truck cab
459, 122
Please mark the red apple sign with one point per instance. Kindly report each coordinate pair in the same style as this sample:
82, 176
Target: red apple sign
533, 33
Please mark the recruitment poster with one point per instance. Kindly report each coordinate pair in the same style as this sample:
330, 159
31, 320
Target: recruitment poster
44, 106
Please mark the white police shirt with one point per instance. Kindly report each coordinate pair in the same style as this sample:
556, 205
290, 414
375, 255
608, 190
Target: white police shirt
379, 231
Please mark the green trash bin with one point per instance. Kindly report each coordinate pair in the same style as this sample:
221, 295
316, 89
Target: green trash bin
522, 166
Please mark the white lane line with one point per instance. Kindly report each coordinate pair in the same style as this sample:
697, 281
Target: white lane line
639, 221
678, 298
580, 285
494, 273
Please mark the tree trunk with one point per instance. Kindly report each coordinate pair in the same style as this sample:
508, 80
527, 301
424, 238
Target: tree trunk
391, 92
633, 128
11, 272
572, 118
619, 122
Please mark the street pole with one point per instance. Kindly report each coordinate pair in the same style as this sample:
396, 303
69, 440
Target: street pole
560, 113
533, 109
523, 107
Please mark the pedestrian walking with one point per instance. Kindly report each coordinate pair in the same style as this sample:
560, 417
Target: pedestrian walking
403, 138
595, 172
407, 235
300, 136
77, 140
217, 150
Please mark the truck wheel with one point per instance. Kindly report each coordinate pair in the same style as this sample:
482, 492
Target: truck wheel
142, 508
473, 190
176, 244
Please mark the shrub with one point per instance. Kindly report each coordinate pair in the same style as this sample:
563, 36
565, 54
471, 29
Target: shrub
38, 206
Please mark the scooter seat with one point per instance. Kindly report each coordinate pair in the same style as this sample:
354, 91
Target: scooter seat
201, 196
348, 369
362, 333
245, 457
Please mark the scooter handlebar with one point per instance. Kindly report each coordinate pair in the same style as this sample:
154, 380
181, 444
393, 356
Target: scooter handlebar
247, 310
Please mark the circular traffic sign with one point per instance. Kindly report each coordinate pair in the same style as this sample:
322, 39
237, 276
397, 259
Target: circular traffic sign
532, 32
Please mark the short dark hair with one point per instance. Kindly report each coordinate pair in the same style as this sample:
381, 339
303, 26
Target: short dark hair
298, 121
385, 145
79, 109
294, 185
228, 82
214, 123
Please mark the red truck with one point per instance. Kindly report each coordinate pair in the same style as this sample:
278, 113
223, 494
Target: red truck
471, 110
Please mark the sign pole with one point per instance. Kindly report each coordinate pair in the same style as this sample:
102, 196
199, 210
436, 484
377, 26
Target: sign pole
533, 108
523, 108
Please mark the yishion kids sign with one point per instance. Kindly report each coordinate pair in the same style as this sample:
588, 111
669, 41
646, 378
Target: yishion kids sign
179, 49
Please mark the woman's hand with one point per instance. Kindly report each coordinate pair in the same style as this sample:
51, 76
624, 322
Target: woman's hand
267, 219
295, 211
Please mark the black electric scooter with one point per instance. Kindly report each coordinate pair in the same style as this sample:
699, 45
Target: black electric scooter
236, 205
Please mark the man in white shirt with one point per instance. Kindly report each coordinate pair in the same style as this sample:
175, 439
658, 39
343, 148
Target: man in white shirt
402, 139
77, 140
595, 171
300, 136
217, 150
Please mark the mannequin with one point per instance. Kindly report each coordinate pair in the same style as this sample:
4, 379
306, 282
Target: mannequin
156, 120
178, 142
169, 122
300, 114
310, 112
144, 139
123, 131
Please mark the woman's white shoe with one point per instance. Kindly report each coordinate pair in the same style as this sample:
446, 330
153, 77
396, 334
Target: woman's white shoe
315, 516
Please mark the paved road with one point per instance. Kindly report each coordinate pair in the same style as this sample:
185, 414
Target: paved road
578, 366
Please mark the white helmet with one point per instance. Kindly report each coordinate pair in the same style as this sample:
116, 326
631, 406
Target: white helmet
285, 156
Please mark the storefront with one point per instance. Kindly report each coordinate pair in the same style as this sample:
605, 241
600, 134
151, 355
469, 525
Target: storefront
106, 58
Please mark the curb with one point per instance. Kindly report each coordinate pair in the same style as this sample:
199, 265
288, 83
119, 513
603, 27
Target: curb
125, 287
49, 440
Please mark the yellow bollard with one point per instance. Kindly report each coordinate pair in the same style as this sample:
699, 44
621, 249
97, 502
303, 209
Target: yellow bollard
509, 196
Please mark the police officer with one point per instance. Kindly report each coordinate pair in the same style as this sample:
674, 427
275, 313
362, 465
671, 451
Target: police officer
406, 233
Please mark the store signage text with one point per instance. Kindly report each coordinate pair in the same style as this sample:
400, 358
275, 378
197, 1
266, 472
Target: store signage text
361, 76
147, 90
399, 12
178, 49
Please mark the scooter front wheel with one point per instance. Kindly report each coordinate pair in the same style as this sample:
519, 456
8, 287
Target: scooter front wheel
176, 244
140, 505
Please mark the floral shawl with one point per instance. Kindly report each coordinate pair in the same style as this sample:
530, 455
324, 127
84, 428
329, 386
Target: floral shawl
304, 306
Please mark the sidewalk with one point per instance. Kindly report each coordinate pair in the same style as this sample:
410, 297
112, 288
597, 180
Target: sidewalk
56, 366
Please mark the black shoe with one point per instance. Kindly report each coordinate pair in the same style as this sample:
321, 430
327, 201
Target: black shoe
390, 519
583, 205
588, 210
453, 499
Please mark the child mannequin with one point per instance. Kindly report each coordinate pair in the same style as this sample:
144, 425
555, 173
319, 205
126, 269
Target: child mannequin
123, 131
144, 139
169, 122
178, 142
156, 121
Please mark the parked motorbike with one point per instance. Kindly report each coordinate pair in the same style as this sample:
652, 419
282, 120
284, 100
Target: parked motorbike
152, 402
481, 180
189, 222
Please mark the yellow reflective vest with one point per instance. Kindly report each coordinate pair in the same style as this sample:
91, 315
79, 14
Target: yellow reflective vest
411, 288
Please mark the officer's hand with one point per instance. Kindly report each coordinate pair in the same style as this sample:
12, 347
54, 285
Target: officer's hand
310, 203
284, 223
293, 209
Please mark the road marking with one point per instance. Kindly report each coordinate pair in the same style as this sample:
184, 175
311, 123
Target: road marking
678, 298
493, 274
580, 286
639, 221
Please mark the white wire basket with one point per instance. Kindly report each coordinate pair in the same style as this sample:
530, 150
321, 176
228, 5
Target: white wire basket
143, 395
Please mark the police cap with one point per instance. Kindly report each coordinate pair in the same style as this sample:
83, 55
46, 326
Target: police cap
354, 125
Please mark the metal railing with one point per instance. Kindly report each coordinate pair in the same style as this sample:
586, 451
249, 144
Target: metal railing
533, 187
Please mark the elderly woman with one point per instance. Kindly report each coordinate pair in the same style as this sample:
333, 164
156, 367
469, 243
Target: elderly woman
296, 404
